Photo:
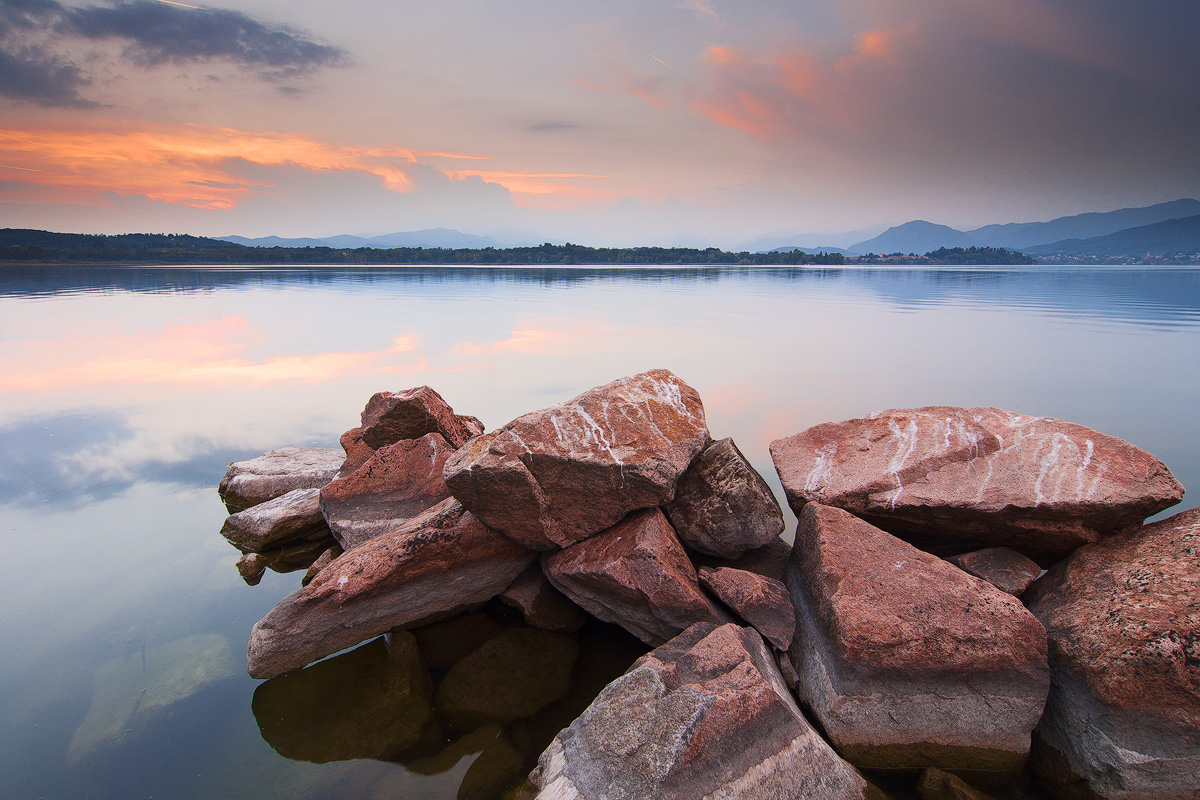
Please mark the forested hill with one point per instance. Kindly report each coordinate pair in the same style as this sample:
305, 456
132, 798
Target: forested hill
43, 247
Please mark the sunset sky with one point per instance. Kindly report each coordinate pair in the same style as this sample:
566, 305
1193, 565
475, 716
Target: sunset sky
680, 121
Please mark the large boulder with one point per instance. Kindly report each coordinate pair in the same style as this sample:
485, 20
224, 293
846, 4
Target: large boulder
1123, 617
390, 417
436, 564
907, 661
288, 518
396, 483
705, 715
554, 477
952, 480
277, 472
722, 506
635, 575
762, 602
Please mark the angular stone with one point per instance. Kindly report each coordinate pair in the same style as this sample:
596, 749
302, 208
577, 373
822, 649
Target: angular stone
1123, 617
770, 560
952, 480
390, 417
357, 451
704, 716
722, 506
323, 561
438, 563
907, 661
252, 567
514, 674
284, 520
557, 476
446, 642
762, 602
938, 785
635, 575
1007, 570
541, 604
398, 482
248, 483
372, 702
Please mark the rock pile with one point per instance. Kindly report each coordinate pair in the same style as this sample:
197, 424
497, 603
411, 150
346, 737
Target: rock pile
891, 638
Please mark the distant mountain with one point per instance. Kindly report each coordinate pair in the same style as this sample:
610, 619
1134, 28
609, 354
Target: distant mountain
918, 236
792, 249
1021, 235
810, 242
1170, 239
429, 237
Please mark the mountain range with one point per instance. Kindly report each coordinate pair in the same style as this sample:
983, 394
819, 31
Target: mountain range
428, 237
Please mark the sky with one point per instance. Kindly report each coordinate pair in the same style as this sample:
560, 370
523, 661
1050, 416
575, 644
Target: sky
656, 122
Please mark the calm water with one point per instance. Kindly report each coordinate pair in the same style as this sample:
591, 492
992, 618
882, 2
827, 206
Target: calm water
124, 393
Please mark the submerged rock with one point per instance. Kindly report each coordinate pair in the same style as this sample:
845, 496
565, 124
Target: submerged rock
555, 477
1007, 570
938, 785
248, 483
284, 520
907, 661
705, 715
1123, 617
437, 564
952, 480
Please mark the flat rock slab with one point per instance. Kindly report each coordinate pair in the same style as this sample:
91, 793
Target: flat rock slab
1123, 617
722, 506
762, 602
554, 477
277, 472
1006, 569
635, 575
770, 560
289, 518
396, 483
704, 716
907, 661
390, 417
952, 480
441, 562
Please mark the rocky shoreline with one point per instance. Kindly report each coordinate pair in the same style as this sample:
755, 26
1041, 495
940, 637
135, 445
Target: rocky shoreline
907, 631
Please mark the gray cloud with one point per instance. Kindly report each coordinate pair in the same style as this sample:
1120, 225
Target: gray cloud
552, 126
31, 73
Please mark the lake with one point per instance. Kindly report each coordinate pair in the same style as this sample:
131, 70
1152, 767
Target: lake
125, 393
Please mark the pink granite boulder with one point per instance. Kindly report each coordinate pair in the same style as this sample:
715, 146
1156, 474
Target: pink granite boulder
907, 661
554, 477
390, 417
1007, 570
762, 602
1123, 617
286, 519
541, 605
635, 575
277, 472
952, 480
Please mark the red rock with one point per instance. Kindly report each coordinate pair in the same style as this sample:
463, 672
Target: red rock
390, 417
907, 661
323, 561
357, 451
938, 785
762, 602
770, 560
248, 483
1123, 617
705, 715
398, 482
1007, 570
541, 604
952, 480
557, 476
635, 575
286, 519
722, 506
436, 564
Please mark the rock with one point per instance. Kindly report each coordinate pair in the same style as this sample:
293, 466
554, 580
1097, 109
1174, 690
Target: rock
541, 604
252, 567
722, 506
390, 417
554, 477
284, 520
762, 602
514, 674
398, 482
372, 702
248, 483
1123, 617
301, 555
357, 451
938, 785
323, 561
635, 575
1007, 570
446, 642
952, 480
770, 560
129, 693
497, 767
705, 715
907, 661
436, 564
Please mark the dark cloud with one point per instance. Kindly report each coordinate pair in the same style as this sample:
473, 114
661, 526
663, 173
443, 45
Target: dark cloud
153, 34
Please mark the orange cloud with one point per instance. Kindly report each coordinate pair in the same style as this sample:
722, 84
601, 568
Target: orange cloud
536, 183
